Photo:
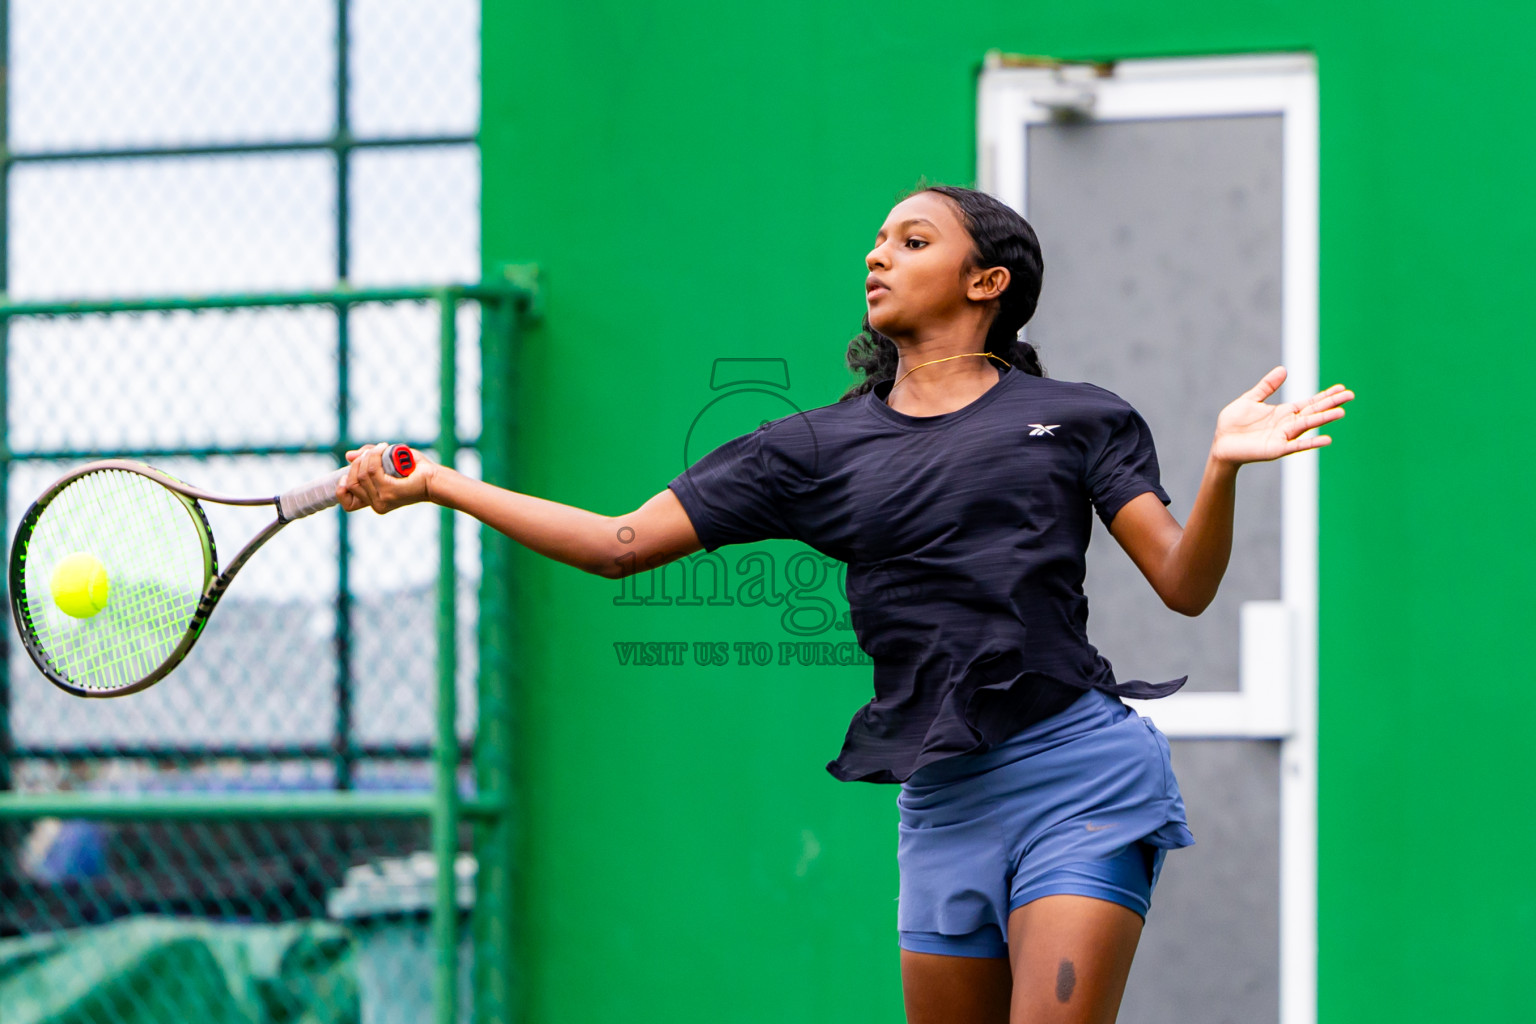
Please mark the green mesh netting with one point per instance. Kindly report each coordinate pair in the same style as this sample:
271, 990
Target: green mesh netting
151, 970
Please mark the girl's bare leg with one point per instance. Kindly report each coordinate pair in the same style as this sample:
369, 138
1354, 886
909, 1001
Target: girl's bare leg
955, 989
1071, 956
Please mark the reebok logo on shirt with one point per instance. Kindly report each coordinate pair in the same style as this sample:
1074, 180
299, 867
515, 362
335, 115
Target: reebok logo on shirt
1043, 429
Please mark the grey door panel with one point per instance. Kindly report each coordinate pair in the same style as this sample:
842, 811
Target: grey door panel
1162, 283
1211, 945
1162, 245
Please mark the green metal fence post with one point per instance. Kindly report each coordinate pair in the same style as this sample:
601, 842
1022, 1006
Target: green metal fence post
341, 737
445, 817
215, 807
497, 953
5, 415
488, 810
10, 835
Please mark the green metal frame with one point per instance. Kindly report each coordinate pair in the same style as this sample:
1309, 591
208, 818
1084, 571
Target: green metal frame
503, 306
342, 143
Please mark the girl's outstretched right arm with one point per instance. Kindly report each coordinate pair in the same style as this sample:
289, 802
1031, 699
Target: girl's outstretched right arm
656, 533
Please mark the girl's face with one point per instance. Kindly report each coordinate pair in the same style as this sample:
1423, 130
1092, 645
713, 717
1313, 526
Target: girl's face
919, 270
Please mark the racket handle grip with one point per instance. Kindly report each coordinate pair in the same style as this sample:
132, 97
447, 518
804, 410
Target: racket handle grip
319, 495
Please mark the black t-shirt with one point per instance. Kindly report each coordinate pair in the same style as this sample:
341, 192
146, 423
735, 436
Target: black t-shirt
964, 535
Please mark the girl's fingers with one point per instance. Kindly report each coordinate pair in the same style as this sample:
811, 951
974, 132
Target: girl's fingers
1294, 432
373, 463
362, 451
364, 465
1268, 384
368, 477
353, 499
1334, 396
1319, 418
361, 487
1299, 425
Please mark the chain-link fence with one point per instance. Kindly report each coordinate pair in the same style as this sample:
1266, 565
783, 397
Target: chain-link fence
259, 835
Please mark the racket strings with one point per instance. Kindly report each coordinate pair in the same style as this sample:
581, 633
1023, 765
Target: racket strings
155, 622
130, 637
164, 619
153, 549
115, 666
154, 616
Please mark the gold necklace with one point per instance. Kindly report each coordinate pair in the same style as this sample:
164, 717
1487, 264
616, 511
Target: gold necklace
919, 366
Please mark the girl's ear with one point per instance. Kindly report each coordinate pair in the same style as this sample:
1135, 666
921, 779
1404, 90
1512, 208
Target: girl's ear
988, 284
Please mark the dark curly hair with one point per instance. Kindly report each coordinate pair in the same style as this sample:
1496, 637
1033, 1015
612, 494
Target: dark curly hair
999, 238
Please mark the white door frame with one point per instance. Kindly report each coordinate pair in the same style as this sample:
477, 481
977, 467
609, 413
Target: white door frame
1277, 688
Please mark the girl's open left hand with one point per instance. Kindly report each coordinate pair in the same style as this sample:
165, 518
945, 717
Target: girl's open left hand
1251, 430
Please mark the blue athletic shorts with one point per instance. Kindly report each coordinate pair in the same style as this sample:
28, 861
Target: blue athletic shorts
1084, 802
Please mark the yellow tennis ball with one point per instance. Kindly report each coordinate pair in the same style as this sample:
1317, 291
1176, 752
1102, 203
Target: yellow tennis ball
79, 585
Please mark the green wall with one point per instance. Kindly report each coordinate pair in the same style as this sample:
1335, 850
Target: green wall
702, 180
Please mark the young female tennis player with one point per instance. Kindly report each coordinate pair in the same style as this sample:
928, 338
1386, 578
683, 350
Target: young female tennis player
957, 483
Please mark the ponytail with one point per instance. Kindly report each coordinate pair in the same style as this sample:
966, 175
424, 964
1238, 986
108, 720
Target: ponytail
1016, 350
874, 354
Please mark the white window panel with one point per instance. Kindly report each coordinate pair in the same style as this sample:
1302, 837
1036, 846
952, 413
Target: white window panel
94, 74
184, 225
415, 215
415, 67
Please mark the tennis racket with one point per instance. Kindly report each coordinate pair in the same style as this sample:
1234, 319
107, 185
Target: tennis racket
114, 571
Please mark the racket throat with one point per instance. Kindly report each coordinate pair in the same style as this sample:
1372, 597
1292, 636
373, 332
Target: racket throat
222, 580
